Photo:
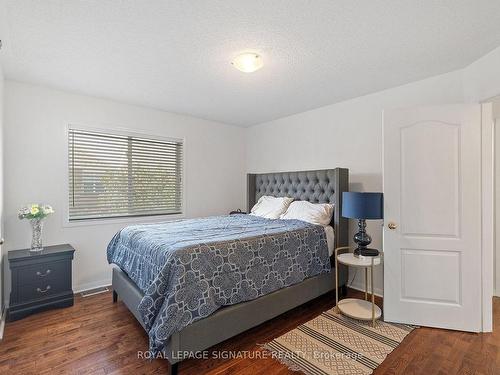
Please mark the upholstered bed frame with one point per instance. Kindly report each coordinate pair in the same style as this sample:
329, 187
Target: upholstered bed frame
321, 186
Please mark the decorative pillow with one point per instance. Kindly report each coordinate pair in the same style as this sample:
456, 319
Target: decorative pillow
314, 213
271, 207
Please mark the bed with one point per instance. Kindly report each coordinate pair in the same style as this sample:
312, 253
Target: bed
218, 323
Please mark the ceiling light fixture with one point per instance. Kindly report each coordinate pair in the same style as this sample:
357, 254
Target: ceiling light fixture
248, 62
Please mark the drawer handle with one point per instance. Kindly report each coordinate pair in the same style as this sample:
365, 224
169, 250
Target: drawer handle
38, 273
43, 290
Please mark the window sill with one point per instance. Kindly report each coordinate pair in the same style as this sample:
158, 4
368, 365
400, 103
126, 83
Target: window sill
122, 220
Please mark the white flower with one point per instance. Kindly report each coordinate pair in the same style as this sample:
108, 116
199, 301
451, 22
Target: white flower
47, 210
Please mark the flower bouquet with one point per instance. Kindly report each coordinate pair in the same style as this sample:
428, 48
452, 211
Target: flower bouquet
35, 213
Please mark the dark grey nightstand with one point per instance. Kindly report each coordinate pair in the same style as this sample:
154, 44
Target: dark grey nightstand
40, 280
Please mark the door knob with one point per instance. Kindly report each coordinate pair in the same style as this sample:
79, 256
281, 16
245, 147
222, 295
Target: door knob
392, 226
1, 241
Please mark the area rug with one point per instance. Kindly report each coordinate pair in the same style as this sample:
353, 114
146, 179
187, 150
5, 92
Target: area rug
335, 344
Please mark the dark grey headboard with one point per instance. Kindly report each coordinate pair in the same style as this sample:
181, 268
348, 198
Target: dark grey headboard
321, 186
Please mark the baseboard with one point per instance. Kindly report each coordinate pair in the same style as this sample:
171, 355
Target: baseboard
92, 285
361, 287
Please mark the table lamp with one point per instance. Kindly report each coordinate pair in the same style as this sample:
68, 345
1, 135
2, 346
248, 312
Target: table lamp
363, 206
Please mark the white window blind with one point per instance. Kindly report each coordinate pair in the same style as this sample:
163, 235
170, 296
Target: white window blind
113, 175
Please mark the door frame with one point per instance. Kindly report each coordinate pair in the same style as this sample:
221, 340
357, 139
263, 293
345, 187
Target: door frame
487, 214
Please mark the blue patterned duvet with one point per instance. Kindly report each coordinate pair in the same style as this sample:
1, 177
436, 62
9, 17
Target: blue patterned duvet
187, 269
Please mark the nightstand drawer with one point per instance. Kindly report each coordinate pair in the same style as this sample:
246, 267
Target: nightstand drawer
44, 272
40, 290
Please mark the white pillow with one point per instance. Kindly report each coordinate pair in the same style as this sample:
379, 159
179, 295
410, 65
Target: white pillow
271, 207
314, 213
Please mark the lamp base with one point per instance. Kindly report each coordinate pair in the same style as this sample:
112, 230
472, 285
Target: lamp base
362, 239
365, 252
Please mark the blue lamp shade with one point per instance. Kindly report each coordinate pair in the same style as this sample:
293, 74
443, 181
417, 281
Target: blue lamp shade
357, 205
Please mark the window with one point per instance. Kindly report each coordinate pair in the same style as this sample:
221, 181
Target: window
112, 175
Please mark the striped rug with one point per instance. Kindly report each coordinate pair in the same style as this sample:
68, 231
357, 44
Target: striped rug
335, 344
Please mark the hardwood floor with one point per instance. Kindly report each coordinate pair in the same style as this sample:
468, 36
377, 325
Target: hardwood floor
96, 336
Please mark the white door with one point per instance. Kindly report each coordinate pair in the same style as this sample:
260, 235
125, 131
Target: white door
432, 193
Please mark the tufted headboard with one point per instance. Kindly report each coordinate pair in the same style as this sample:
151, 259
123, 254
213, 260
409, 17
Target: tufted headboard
321, 186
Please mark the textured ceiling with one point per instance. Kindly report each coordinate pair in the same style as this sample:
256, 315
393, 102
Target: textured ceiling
175, 55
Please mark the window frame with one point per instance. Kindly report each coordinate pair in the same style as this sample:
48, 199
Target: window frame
119, 131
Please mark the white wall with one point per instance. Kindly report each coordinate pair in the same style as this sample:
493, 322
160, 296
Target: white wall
347, 134
481, 79
35, 152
